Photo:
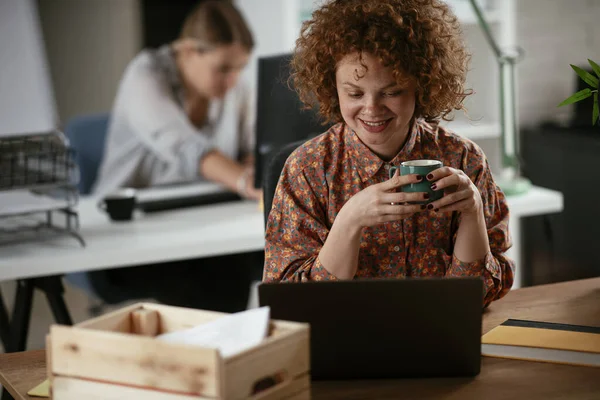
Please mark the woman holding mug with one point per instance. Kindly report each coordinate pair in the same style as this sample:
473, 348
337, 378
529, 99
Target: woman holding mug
385, 72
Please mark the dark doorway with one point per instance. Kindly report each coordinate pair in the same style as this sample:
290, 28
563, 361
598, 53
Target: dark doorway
162, 20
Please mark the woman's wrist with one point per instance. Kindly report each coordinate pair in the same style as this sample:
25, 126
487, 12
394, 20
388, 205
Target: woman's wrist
345, 221
475, 214
242, 182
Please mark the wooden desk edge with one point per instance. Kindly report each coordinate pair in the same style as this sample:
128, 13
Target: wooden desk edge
33, 362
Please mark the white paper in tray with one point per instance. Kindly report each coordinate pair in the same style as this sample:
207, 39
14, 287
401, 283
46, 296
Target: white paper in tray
230, 334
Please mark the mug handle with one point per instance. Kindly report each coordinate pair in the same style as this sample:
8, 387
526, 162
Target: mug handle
101, 205
393, 171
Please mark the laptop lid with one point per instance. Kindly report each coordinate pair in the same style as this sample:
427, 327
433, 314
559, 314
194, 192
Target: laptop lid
385, 328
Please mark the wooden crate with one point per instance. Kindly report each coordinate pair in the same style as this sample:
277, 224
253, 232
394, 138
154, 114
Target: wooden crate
116, 356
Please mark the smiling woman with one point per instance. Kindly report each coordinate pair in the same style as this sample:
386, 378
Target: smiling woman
386, 72
373, 104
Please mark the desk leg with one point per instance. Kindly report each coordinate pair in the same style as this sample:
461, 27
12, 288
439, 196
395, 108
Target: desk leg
5, 337
21, 315
54, 290
4, 324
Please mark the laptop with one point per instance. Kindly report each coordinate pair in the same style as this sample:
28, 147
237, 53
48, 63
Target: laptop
385, 328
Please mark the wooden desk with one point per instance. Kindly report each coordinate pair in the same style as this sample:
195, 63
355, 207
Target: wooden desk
21, 372
575, 302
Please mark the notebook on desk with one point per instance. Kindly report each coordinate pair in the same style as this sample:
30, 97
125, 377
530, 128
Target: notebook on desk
544, 341
392, 328
169, 197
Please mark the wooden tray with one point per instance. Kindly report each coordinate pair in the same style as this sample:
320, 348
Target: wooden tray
116, 356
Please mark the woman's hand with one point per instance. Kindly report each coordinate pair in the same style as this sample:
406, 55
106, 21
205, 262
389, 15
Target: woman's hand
245, 185
381, 203
460, 193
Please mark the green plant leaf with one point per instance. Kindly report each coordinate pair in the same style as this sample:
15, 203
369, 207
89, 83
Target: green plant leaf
595, 67
586, 76
581, 95
596, 111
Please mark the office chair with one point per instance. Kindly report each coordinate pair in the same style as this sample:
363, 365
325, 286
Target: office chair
87, 134
273, 172
273, 163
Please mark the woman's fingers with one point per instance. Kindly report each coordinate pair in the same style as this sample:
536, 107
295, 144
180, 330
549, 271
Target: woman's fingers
440, 173
400, 210
458, 206
398, 181
455, 180
403, 197
449, 199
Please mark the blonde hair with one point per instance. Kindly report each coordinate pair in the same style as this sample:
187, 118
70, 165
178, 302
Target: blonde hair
216, 23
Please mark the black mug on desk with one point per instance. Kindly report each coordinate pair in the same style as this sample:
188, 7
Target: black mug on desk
119, 205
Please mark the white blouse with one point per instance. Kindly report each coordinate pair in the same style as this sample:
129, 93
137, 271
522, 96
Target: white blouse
150, 139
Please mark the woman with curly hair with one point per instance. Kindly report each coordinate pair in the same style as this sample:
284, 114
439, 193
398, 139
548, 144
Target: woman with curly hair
385, 72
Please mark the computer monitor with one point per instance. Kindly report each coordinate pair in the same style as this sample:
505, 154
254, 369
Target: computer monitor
280, 118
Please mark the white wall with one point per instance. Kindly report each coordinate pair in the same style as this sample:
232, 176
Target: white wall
89, 43
26, 99
268, 20
554, 34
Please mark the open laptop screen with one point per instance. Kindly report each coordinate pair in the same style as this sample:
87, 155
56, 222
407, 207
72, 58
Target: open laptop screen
392, 328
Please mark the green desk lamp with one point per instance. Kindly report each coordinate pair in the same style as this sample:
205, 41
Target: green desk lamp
509, 180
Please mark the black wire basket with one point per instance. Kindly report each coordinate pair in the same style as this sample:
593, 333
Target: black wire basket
36, 161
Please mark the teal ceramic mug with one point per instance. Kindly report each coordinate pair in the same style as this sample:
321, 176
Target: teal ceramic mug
423, 168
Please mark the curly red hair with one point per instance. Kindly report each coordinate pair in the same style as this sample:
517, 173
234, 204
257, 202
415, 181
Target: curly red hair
421, 39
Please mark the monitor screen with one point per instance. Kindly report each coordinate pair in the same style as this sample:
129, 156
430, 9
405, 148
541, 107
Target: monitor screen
280, 118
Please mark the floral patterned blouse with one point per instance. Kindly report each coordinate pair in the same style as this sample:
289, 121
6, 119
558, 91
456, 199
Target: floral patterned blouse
321, 175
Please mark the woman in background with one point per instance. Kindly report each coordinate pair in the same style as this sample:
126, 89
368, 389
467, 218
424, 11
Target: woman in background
181, 113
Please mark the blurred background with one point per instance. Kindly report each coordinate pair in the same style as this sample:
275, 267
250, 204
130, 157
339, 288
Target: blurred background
88, 44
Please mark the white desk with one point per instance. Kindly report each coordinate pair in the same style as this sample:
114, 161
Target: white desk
191, 233
188, 233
